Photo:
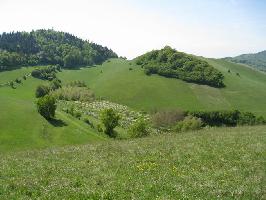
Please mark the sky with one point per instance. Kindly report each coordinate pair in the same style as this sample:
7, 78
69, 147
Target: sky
210, 28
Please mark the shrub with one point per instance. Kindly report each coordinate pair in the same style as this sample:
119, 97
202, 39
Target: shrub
55, 84
41, 91
227, 118
74, 93
167, 118
25, 77
77, 84
46, 107
99, 128
110, 120
45, 73
130, 69
189, 124
139, 129
18, 81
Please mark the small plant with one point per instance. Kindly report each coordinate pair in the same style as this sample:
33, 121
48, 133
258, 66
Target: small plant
189, 124
110, 120
130, 69
25, 77
139, 129
46, 107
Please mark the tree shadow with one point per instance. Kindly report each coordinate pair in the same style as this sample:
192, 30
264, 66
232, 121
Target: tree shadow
57, 122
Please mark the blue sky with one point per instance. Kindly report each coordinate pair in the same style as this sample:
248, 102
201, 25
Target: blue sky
211, 28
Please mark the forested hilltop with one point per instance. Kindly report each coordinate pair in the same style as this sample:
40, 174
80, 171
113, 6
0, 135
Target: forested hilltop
44, 47
256, 60
170, 63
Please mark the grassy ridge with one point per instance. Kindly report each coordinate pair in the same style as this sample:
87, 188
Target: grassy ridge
132, 87
226, 163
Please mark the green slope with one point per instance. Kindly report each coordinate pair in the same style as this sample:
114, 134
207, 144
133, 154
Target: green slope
21, 127
224, 163
255, 60
114, 81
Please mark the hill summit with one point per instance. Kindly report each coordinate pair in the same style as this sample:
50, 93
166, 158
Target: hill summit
255, 60
44, 47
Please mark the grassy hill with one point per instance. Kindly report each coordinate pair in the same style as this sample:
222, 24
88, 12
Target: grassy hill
114, 81
23, 128
256, 60
21, 125
225, 163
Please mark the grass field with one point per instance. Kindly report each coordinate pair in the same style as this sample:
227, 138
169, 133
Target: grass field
133, 88
222, 163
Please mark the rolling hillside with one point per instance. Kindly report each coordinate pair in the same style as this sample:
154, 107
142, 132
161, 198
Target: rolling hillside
255, 60
114, 81
23, 128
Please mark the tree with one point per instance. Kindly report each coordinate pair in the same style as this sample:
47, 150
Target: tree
110, 120
41, 91
46, 107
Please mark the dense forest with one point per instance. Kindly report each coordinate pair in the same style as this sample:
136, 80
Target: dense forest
256, 60
170, 63
44, 47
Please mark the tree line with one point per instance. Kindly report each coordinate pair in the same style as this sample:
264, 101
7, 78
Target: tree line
51, 47
170, 63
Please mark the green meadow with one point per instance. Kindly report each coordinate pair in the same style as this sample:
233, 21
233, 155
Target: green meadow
216, 163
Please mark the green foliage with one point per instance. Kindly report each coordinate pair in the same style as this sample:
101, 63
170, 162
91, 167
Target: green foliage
139, 129
45, 73
77, 83
173, 64
167, 118
228, 118
73, 93
44, 47
46, 107
42, 90
188, 124
110, 120
55, 84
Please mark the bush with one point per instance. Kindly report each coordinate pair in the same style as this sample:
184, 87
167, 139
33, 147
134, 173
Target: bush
189, 124
167, 118
45, 73
74, 93
227, 118
110, 120
41, 91
46, 107
18, 81
139, 129
55, 84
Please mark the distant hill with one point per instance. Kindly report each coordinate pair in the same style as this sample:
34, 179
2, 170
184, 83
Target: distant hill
174, 64
44, 47
256, 60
